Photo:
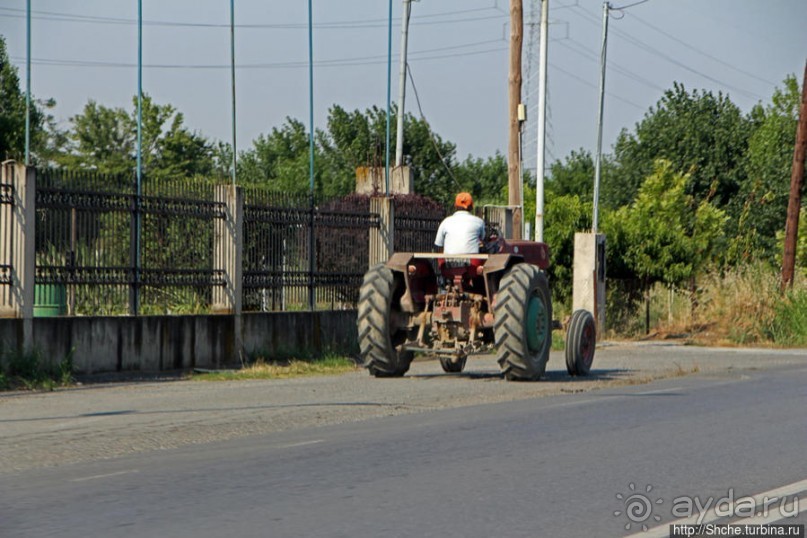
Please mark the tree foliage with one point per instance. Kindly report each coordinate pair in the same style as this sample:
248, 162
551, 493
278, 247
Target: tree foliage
575, 175
12, 115
280, 159
761, 204
105, 139
700, 134
670, 235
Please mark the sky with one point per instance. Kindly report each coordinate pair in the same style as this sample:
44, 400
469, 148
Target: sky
458, 57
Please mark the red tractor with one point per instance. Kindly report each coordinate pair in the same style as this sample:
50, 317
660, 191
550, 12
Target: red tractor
497, 301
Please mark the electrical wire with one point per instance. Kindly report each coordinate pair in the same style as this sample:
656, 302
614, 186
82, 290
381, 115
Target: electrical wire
422, 55
699, 51
651, 50
431, 134
587, 53
367, 23
622, 8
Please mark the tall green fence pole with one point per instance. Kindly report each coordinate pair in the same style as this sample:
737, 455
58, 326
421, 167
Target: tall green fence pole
311, 266
136, 229
28, 83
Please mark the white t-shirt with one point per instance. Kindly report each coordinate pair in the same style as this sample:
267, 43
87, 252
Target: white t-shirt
460, 233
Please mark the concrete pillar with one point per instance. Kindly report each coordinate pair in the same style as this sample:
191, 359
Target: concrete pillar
588, 292
371, 180
228, 248
20, 217
382, 239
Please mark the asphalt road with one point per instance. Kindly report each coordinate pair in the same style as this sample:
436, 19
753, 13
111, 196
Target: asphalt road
561, 465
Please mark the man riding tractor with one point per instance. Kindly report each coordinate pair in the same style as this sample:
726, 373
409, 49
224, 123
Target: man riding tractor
497, 300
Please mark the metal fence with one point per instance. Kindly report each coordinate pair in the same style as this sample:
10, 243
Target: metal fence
102, 249
87, 255
416, 233
298, 251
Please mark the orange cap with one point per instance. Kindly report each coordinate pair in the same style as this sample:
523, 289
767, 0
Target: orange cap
464, 200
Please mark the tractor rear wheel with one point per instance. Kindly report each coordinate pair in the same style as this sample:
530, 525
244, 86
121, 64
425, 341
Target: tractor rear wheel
581, 339
523, 325
379, 342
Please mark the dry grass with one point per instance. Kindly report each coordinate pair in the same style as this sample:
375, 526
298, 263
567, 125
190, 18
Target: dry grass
261, 369
742, 307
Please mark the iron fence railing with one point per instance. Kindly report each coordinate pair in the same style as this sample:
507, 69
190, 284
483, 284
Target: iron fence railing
298, 251
6, 244
103, 249
86, 235
416, 233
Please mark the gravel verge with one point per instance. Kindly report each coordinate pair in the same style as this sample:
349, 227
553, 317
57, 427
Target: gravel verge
108, 420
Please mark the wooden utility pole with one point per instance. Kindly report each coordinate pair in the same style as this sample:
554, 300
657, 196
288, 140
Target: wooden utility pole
796, 178
513, 153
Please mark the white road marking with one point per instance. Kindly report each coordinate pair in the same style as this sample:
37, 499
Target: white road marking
710, 516
660, 391
304, 443
108, 475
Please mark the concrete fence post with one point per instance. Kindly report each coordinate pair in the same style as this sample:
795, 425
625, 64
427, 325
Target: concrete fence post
382, 239
20, 216
228, 248
588, 290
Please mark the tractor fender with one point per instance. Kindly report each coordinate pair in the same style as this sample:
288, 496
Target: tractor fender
419, 283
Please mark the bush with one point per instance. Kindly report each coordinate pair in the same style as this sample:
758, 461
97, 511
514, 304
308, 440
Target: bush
27, 370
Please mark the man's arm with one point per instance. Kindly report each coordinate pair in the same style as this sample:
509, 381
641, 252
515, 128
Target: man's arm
440, 239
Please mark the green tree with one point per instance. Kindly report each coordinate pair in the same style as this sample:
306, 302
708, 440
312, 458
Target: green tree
700, 134
358, 139
279, 160
352, 139
105, 139
565, 215
761, 205
669, 236
12, 116
575, 175
485, 179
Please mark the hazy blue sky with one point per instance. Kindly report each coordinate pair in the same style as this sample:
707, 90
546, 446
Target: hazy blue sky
458, 55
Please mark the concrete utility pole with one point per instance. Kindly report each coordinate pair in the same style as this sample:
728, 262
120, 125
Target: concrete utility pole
796, 178
514, 153
399, 136
539, 168
598, 164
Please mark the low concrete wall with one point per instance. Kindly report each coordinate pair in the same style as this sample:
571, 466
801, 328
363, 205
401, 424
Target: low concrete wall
159, 343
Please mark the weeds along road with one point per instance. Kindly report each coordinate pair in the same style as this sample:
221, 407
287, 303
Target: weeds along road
464, 455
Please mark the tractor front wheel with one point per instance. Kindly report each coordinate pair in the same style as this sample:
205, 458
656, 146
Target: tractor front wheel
581, 339
453, 364
523, 325
380, 344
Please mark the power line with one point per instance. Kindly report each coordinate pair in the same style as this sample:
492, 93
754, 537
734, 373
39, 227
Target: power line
621, 8
431, 134
356, 61
699, 51
356, 24
651, 50
587, 83
590, 55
